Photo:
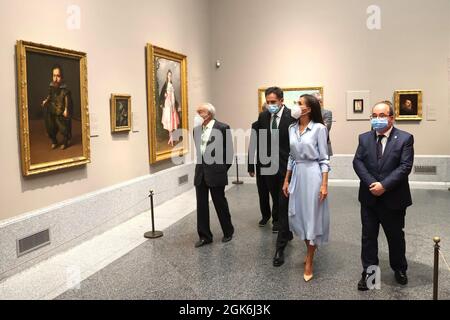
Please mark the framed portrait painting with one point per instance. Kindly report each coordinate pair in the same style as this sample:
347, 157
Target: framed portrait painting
408, 105
167, 105
120, 113
358, 105
53, 108
291, 95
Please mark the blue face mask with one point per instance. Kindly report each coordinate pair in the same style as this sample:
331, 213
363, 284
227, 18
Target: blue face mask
273, 108
379, 124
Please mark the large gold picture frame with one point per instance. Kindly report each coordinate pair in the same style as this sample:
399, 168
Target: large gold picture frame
120, 113
408, 105
291, 95
52, 138
167, 104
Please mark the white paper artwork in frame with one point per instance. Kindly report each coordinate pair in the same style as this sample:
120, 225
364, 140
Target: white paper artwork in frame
358, 105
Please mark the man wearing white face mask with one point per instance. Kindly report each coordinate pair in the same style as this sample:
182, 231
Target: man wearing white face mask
214, 146
273, 124
383, 162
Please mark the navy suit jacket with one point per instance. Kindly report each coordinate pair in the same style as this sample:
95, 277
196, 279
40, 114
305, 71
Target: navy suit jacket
391, 171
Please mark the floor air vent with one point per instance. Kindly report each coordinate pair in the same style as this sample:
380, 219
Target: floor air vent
428, 170
33, 242
183, 180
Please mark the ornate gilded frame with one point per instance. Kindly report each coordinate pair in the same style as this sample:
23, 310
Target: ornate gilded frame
151, 53
29, 169
418, 116
261, 94
114, 127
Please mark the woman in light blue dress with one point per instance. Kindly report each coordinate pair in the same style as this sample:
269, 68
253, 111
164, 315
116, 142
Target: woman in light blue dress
306, 182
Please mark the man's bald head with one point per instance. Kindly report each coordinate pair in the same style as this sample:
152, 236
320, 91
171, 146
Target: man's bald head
384, 107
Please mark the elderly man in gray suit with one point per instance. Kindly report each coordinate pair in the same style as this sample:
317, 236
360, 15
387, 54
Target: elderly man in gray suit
327, 116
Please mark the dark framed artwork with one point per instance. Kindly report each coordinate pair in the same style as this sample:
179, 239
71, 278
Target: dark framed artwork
358, 106
167, 104
120, 113
53, 108
408, 105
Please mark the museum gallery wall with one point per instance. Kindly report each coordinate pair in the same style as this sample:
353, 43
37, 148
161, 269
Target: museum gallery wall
102, 139
329, 44
118, 105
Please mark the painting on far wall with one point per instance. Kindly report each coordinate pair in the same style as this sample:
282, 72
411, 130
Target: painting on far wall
166, 103
358, 105
291, 95
120, 113
408, 105
53, 108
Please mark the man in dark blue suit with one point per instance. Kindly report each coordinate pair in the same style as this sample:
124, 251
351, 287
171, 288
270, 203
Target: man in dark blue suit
383, 162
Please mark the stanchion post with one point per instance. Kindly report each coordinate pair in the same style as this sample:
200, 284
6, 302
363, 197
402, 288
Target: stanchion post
237, 173
152, 234
436, 240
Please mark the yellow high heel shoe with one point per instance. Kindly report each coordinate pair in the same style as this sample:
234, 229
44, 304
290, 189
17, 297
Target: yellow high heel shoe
307, 277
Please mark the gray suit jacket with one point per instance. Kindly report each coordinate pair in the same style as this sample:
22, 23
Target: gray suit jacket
327, 116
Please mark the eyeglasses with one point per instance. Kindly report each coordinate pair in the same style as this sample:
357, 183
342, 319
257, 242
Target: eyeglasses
379, 116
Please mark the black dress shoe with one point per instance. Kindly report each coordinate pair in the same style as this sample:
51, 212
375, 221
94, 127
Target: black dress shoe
278, 260
401, 277
227, 239
276, 227
291, 236
263, 222
201, 243
362, 284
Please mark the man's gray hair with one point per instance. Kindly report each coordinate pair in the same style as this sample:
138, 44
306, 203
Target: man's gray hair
389, 104
211, 109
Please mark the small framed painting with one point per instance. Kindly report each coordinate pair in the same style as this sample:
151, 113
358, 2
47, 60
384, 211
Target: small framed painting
358, 105
120, 113
408, 105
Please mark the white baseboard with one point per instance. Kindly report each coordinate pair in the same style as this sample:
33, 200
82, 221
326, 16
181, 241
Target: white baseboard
76, 220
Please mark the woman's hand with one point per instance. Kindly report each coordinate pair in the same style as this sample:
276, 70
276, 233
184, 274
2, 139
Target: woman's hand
286, 189
323, 194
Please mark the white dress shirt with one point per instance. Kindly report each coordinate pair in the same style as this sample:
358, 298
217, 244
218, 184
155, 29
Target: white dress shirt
278, 115
206, 134
386, 137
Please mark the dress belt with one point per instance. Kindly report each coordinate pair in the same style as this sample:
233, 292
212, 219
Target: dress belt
293, 183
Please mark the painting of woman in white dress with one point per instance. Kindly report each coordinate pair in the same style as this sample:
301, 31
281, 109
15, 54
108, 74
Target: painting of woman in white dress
167, 104
170, 118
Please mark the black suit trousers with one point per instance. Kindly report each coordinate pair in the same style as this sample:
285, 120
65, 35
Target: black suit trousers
393, 223
268, 186
221, 206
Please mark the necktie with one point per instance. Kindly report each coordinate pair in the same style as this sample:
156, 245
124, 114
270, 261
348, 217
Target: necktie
380, 147
274, 123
